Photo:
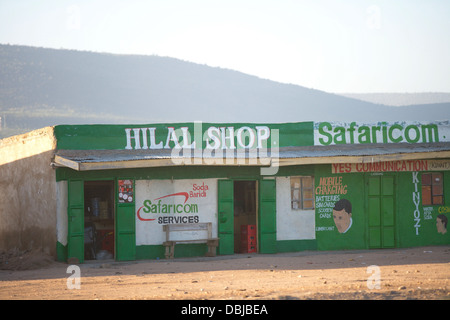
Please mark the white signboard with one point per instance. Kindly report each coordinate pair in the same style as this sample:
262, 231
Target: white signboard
160, 202
331, 133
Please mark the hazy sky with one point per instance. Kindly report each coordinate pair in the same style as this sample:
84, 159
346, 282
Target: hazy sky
330, 45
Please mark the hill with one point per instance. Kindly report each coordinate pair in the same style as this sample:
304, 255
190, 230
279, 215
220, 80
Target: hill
40, 87
401, 99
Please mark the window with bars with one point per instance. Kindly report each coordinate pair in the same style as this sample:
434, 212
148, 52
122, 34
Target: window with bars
432, 189
302, 193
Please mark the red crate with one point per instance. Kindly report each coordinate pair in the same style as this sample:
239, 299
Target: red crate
248, 247
106, 239
249, 229
248, 238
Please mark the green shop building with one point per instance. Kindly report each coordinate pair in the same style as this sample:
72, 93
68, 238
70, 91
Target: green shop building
132, 192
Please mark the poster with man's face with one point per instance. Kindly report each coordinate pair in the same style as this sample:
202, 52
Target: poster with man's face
441, 224
342, 215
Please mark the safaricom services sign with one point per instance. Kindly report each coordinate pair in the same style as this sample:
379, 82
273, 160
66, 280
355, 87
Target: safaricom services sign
160, 202
326, 133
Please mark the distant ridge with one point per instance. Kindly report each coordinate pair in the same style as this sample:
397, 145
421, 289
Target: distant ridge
40, 87
401, 99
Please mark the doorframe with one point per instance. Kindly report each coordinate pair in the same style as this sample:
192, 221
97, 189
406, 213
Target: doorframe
75, 245
257, 204
395, 199
84, 180
131, 255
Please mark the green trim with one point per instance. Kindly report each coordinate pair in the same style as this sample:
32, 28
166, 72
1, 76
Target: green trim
182, 172
198, 250
144, 252
305, 170
125, 225
162, 173
181, 251
61, 252
296, 245
267, 216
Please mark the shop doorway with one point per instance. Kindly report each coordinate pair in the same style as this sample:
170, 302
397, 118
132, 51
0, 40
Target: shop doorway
245, 216
381, 205
99, 212
264, 217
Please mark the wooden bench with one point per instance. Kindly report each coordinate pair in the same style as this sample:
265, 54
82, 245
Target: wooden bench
204, 228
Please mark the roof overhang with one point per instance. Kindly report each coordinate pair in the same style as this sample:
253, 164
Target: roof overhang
85, 160
365, 153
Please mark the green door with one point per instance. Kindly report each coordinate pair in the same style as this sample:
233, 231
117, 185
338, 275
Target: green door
381, 207
226, 216
75, 211
267, 217
125, 224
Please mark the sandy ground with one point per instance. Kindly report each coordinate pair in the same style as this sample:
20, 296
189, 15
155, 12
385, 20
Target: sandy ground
414, 273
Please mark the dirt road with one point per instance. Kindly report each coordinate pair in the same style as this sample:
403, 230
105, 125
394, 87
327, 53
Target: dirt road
414, 273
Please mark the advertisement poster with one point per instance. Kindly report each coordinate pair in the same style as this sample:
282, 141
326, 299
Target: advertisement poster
126, 192
161, 202
340, 214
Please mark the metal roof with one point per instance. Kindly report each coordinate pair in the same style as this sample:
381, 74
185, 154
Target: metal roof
82, 160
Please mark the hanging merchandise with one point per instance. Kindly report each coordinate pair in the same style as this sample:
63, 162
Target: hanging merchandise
125, 191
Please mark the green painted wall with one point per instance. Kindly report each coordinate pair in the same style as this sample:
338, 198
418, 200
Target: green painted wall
354, 187
331, 188
427, 233
153, 252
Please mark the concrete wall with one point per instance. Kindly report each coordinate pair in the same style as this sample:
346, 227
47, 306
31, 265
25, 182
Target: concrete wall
28, 192
62, 219
292, 224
